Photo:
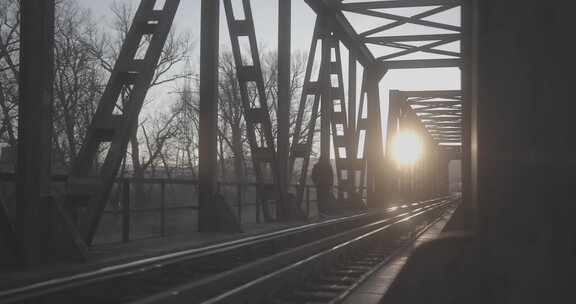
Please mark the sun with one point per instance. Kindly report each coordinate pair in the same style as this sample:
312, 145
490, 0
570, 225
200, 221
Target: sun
406, 148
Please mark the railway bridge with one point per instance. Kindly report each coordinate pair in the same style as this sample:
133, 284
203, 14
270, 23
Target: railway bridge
351, 195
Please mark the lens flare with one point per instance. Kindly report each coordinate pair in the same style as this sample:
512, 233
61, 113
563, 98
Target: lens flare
407, 148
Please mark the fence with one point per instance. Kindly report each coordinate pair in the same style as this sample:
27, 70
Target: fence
160, 207
171, 207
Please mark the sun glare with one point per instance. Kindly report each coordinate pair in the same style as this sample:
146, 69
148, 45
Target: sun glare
407, 148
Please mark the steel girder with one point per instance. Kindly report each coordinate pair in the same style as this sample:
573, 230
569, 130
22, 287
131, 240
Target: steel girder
256, 112
125, 93
439, 114
340, 123
43, 229
439, 119
113, 129
303, 136
403, 45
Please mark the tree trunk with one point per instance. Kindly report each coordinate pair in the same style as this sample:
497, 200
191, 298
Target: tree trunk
6, 122
238, 153
138, 171
190, 160
222, 159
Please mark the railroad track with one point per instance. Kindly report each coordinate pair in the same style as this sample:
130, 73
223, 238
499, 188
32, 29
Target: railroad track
239, 271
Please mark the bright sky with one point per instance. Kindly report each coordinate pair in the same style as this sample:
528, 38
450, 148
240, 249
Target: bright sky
265, 17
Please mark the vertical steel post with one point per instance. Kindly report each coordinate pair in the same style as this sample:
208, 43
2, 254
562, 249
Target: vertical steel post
307, 201
208, 145
325, 83
163, 208
445, 175
392, 175
239, 201
36, 209
301, 147
112, 129
283, 115
374, 146
35, 108
125, 211
8, 234
392, 121
257, 205
469, 71
352, 80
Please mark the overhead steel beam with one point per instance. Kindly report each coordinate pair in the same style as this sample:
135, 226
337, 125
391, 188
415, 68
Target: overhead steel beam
451, 136
411, 38
445, 132
445, 124
343, 29
429, 127
397, 4
435, 107
431, 118
403, 19
437, 112
435, 121
423, 64
426, 48
455, 94
431, 101
453, 116
409, 20
447, 106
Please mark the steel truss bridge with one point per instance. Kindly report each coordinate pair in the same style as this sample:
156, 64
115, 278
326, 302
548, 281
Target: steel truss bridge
509, 238
348, 115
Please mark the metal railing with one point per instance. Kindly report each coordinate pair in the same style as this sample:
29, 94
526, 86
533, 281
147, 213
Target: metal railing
160, 207
245, 203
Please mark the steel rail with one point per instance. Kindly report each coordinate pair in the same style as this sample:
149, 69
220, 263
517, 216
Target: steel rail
145, 265
253, 291
231, 286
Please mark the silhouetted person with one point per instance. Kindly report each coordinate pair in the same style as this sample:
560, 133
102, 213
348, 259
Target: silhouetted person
323, 179
356, 202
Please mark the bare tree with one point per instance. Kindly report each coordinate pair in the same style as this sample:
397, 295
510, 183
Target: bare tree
231, 107
176, 49
9, 49
186, 109
78, 79
231, 115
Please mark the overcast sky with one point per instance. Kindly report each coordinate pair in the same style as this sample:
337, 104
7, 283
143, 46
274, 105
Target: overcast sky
265, 18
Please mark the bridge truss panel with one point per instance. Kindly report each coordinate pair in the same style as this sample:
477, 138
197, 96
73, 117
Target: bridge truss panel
430, 43
303, 136
117, 114
256, 110
438, 113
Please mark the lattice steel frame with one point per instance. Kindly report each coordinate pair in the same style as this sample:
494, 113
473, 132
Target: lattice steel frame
256, 114
376, 67
439, 113
131, 75
92, 190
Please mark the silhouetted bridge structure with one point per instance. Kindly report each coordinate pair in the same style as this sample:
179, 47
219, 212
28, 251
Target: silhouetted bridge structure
279, 238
